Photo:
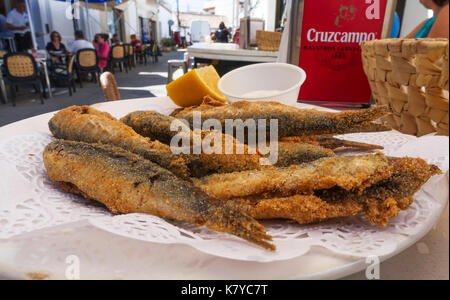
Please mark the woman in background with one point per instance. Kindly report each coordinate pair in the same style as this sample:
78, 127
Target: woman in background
55, 48
102, 48
221, 35
435, 27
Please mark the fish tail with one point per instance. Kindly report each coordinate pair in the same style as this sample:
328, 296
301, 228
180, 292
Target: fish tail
365, 115
334, 143
232, 218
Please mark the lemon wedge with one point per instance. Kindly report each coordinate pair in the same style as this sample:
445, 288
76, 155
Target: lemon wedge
192, 87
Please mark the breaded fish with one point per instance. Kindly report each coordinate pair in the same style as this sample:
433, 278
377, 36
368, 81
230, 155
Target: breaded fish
126, 183
378, 202
292, 121
347, 172
332, 143
86, 124
293, 153
156, 126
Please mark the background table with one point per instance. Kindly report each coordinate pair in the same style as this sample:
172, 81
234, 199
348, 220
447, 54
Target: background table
426, 259
228, 56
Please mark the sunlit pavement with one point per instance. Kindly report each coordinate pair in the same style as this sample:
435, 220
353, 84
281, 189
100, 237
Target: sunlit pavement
141, 82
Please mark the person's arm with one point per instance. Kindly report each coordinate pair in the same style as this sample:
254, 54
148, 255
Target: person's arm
12, 27
413, 33
440, 26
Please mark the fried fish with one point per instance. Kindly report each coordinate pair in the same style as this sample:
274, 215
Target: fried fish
292, 121
347, 172
332, 143
156, 126
86, 124
126, 183
378, 202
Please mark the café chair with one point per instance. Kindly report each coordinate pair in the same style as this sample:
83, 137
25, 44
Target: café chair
118, 56
141, 55
87, 61
130, 61
154, 53
65, 73
21, 68
109, 86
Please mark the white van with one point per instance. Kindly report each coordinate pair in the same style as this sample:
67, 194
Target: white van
200, 30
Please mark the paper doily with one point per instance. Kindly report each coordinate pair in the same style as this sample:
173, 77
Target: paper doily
30, 201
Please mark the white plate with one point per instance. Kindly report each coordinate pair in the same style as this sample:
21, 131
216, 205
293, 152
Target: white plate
102, 255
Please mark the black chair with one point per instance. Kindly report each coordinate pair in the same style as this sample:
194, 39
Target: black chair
154, 52
129, 50
86, 60
65, 73
141, 55
118, 55
21, 68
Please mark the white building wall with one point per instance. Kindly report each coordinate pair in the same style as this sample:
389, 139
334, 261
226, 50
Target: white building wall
54, 13
164, 16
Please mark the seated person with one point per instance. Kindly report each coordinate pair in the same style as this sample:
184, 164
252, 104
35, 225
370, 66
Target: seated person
79, 43
115, 40
136, 43
55, 48
435, 27
102, 50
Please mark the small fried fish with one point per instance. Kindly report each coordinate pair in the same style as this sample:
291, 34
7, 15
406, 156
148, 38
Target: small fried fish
347, 172
86, 124
156, 126
292, 121
126, 183
378, 202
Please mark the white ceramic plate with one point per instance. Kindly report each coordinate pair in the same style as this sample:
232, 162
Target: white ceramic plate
53, 253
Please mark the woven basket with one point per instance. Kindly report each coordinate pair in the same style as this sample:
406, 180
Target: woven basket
411, 76
268, 41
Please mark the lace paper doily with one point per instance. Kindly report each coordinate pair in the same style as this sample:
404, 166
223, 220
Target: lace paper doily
30, 201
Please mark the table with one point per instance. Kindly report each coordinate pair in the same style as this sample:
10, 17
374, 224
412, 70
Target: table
43, 62
426, 259
229, 54
232, 52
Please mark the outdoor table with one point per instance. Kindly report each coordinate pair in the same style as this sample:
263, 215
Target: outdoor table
43, 63
229, 54
424, 256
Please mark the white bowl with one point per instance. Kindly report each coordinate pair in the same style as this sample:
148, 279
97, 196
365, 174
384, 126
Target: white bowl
263, 82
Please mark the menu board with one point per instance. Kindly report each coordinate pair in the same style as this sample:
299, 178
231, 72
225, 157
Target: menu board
330, 52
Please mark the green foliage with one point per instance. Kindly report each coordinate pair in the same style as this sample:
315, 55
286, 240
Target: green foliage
168, 42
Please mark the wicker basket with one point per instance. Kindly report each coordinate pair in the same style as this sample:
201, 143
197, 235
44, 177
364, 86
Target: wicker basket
268, 41
411, 76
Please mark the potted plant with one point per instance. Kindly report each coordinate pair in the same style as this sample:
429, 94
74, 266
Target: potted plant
168, 44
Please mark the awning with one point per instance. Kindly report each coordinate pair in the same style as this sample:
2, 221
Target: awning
93, 2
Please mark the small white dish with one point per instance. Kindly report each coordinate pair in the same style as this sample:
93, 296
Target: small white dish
263, 82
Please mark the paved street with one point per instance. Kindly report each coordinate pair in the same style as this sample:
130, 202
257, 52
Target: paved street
141, 82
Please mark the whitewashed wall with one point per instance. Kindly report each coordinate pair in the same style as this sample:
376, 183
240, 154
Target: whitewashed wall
54, 13
163, 23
